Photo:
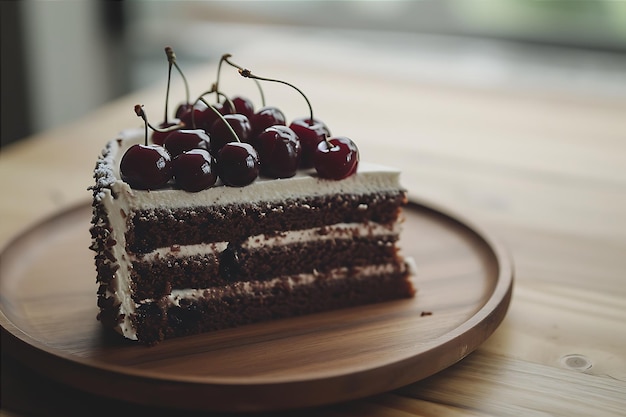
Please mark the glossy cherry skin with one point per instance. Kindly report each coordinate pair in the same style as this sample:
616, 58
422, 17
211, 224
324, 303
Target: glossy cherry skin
338, 161
195, 170
310, 134
182, 109
146, 167
266, 117
208, 116
242, 106
238, 164
183, 140
279, 151
221, 135
192, 119
158, 138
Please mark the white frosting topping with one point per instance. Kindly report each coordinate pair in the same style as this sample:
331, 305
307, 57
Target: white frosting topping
370, 178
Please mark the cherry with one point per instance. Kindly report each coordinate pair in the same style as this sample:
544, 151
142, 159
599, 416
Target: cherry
194, 170
336, 158
208, 116
158, 136
242, 106
221, 134
182, 110
183, 140
146, 166
191, 115
279, 151
266, 117
238, 164
310, 134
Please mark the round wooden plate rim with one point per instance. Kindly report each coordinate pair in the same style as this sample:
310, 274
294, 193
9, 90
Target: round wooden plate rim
27, 347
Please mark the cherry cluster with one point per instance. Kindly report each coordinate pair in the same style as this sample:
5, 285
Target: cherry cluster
231, 141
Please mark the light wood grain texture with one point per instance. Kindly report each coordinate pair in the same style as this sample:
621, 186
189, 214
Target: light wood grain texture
543, 170
48, 311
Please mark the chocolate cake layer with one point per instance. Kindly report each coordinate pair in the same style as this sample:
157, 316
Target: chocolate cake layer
156, 278
240, 264
156, 228
156, 321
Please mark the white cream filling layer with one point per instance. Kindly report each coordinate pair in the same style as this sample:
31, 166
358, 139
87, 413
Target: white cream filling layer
337, 231
181, 251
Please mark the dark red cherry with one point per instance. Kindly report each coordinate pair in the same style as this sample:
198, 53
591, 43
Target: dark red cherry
266, 117
310, 134
146, 167
238, 164
242, 106
158, 138
183, 140
221, 135
208, 116
182, 109
194, 170
193, 119
337, 161
279, 151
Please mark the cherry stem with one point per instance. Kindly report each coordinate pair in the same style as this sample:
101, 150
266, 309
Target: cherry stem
256, 81
167, 129
248, 74
219, 93
330, 145
141, 113
169, 78
217, 79
211, 91
171, 57
228, 126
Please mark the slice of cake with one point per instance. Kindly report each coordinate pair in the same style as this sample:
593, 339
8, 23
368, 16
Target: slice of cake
172, 263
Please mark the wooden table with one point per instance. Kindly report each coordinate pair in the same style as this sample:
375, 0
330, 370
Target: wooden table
544, 171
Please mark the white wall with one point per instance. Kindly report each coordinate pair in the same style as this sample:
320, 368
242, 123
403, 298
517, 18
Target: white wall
67, 60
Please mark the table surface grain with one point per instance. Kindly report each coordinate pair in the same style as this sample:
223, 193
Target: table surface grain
542, 170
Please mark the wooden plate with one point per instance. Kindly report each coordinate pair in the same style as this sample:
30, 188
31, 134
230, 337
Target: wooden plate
48, 317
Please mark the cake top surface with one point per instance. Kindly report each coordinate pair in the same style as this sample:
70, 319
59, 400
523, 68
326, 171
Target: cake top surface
370, 178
